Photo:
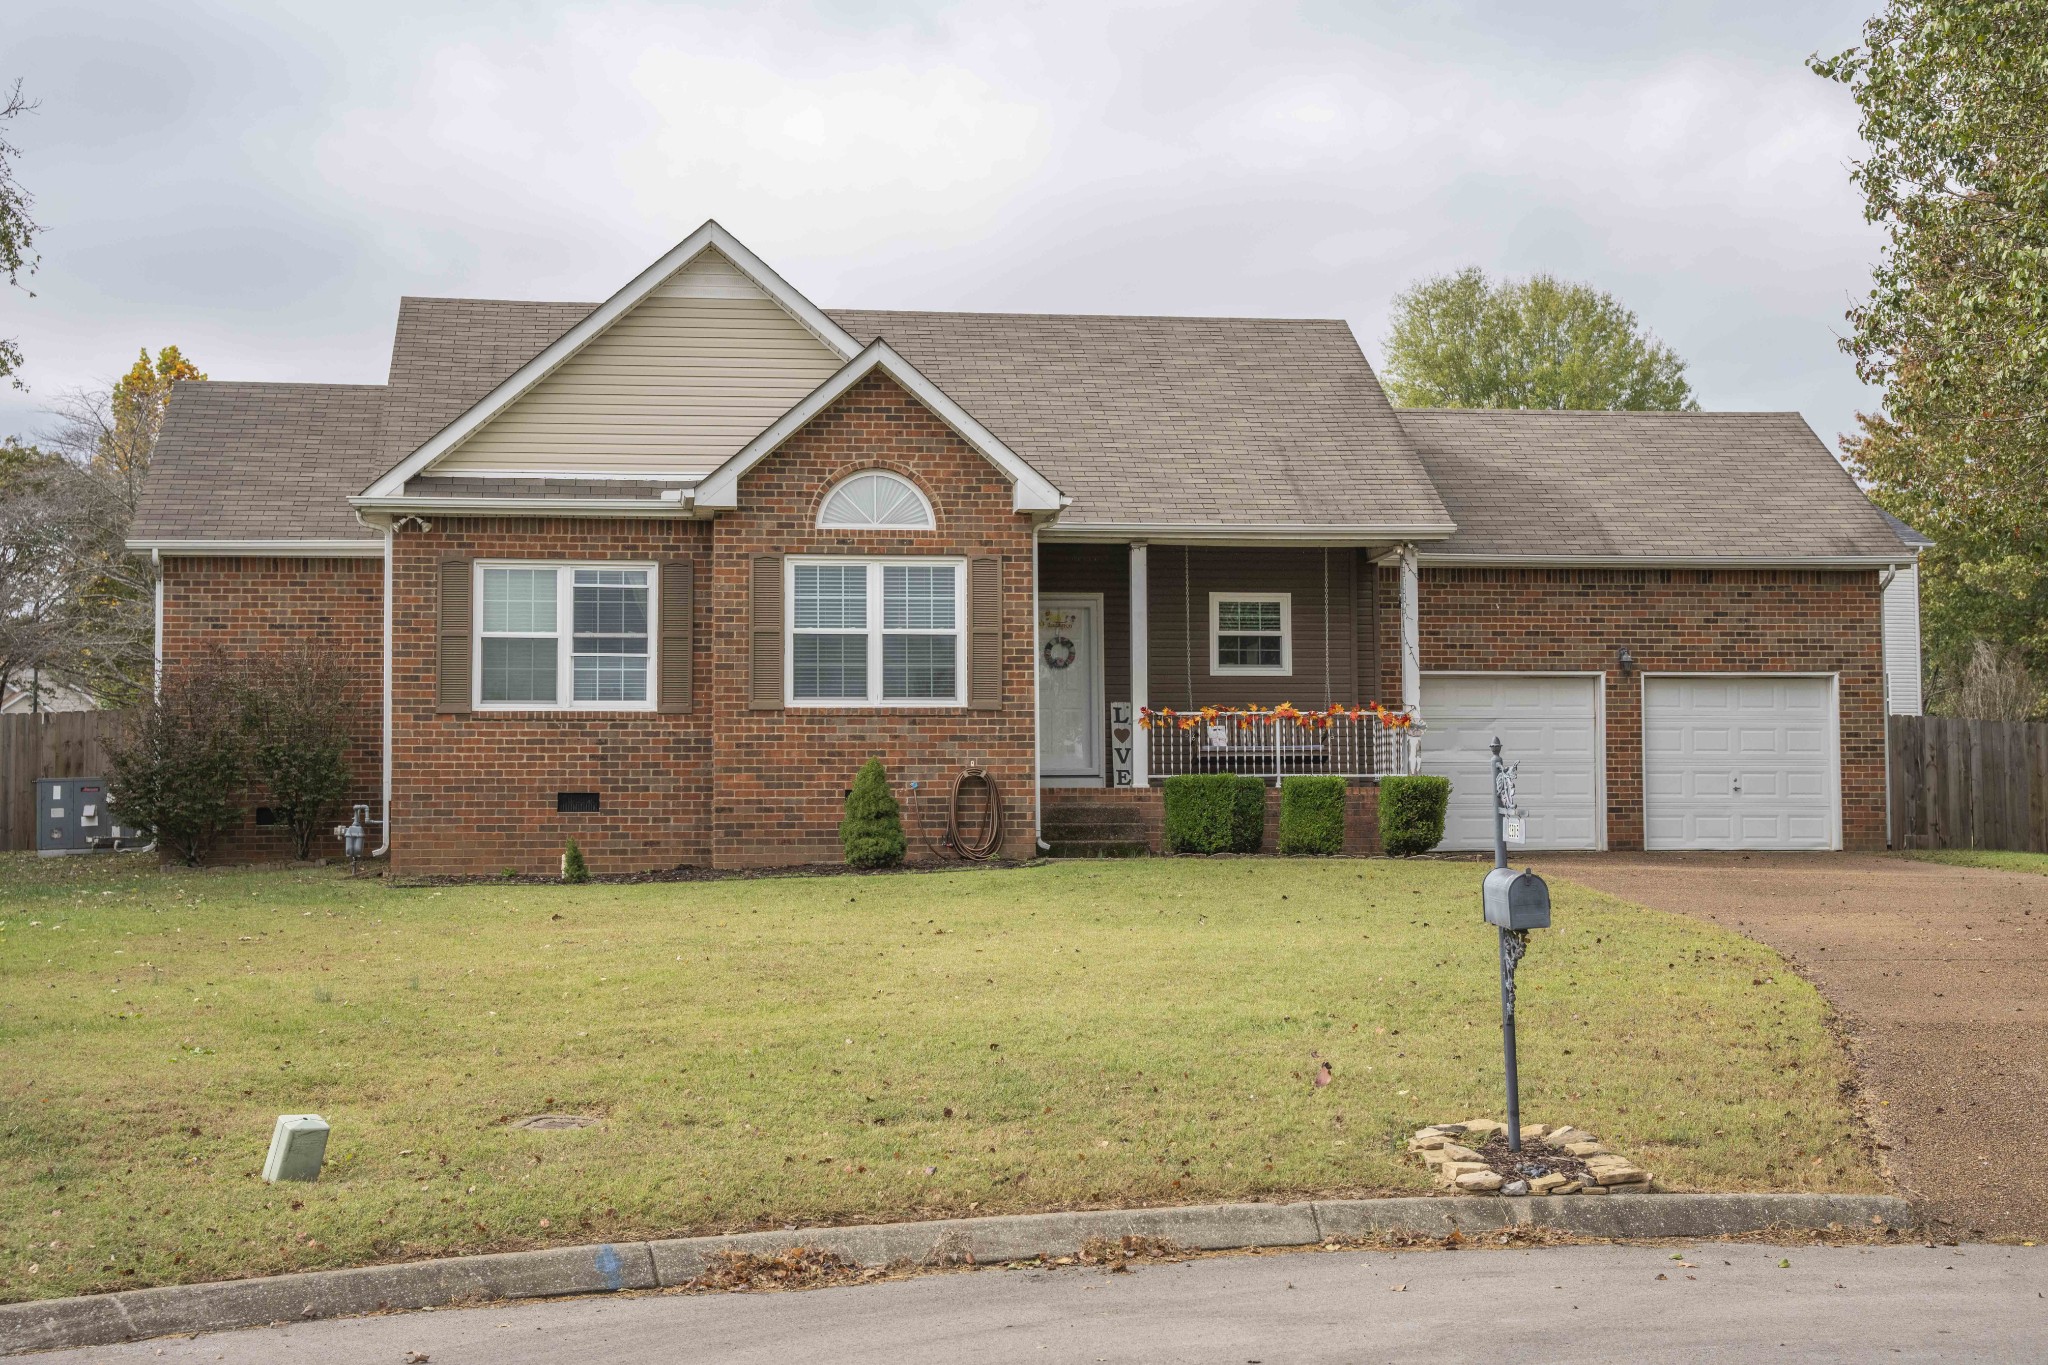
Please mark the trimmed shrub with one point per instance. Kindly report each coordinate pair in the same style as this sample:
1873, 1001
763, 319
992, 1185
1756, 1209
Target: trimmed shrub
1312, 815
574, 869
297, 711
1215, 813
872, 832
1412, 814
176, 767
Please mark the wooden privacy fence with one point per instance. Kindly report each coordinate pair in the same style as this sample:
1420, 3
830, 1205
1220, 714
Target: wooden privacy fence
53, 744
1968, 784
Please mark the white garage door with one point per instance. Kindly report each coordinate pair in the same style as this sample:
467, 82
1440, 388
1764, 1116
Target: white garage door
1738, 762
1547, 723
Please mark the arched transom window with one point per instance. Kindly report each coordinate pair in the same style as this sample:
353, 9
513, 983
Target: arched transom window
876, 501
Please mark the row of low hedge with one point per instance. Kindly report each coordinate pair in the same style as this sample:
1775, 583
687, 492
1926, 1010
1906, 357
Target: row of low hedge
1226, 813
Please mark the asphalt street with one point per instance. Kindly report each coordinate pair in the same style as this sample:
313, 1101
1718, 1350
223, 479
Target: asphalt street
1705, 1302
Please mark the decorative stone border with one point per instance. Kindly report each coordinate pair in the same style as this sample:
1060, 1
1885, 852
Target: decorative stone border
1473, 1158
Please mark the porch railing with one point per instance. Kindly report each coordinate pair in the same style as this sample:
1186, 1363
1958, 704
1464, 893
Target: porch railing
1277, 742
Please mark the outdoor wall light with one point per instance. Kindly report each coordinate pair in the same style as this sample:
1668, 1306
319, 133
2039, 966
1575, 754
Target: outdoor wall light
1625, 661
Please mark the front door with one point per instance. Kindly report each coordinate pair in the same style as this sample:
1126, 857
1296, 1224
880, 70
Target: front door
1070, 686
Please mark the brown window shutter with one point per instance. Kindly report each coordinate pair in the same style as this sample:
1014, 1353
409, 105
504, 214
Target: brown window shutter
678, 634
985, 633
451, 683
764, 626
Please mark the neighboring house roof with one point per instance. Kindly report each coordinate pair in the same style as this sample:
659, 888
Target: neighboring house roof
254, 463
1908, 537
1155, 421
1643, 486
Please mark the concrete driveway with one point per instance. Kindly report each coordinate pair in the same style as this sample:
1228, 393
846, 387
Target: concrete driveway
1941, 977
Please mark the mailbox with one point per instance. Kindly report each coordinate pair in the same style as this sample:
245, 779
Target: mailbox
1516, 901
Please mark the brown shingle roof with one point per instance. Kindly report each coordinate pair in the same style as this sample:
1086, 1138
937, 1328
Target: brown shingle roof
449, 353
1204, 421
261, 462
1643, 485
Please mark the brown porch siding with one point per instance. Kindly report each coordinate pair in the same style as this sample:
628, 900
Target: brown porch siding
252, 605
1671, 620
1325, 625
474, 793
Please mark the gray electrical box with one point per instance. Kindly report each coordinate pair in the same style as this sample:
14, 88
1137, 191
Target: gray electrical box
298, 1146
72, 817
1516, 900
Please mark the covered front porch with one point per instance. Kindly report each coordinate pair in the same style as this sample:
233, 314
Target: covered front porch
1264, 658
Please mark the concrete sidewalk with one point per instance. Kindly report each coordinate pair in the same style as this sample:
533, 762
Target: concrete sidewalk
1941, 975
1721, 1302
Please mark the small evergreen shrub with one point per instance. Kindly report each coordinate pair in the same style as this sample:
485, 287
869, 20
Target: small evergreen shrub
1215, 813
1412, 814
1312, 815
872, 832
574, 869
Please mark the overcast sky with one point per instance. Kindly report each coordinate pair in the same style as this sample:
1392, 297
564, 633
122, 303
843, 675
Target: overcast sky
260, 182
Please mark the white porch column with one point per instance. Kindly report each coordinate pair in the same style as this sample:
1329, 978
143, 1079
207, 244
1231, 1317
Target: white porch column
1141, 666
1411, 650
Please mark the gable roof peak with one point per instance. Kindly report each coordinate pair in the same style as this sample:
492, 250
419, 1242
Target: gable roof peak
710, 236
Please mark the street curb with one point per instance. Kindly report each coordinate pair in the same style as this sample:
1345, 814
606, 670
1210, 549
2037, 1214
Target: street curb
104, 1319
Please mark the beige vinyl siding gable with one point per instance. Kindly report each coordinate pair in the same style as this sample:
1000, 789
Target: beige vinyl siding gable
674, 387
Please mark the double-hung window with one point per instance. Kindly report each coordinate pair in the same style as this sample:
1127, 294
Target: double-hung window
873, 632
570, 636
1251, 632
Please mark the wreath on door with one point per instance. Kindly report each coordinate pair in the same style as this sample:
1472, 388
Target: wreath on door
1059, 652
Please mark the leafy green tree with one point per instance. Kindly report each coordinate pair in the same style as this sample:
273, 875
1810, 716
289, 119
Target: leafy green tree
872, 832
18, 227
297, 712
1953, 96
1464, 341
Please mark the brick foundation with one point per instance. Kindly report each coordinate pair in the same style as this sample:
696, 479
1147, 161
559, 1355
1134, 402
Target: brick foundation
1119, 821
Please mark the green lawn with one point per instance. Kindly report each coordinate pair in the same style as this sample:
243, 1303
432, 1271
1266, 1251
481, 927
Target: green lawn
1986, 857
829, 1049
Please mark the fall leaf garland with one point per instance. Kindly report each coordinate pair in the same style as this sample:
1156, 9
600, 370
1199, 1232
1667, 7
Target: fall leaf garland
1253, 717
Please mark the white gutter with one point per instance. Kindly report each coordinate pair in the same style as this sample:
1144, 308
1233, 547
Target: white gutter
287, 549
532, 507
1481, 561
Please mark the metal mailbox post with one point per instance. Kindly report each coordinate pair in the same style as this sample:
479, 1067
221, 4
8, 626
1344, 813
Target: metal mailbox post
1514, 903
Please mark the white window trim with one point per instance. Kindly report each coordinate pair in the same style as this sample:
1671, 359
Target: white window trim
930, 522
1217, 667
565, 620
874, 701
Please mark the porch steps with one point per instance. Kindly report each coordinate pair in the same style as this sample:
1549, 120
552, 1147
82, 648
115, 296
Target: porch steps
1100, 828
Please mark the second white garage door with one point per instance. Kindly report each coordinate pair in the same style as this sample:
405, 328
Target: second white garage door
1738, 762
1548, 723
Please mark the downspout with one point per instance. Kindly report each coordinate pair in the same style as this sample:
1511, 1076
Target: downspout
1884, 671
1037, 779
384, 824
156, 684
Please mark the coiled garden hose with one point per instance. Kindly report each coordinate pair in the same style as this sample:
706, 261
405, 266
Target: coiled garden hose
989, 838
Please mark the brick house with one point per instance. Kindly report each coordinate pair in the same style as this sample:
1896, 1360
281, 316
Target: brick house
660, 573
